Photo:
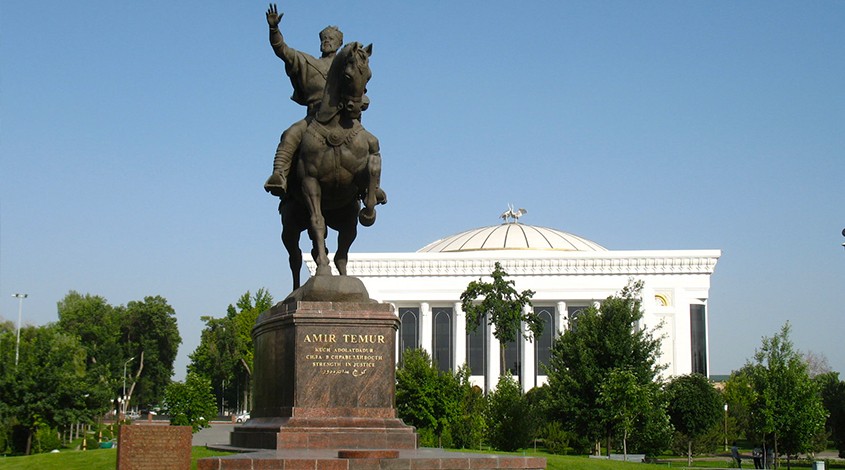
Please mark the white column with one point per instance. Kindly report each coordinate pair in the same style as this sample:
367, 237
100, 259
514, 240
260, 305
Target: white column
529, 372
707, 335
682, 355
398, 333
460, 329
426, 328
494, 364
562, 319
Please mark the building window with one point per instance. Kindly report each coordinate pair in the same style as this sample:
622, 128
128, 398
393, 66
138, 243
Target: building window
442, 338
543, 343
573, 312
698, 337
477, 350
513, 357
409, 330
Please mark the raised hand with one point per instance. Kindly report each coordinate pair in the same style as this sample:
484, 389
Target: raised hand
273, 16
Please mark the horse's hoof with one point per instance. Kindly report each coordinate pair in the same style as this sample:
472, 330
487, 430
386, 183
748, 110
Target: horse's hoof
367, 217
323, 271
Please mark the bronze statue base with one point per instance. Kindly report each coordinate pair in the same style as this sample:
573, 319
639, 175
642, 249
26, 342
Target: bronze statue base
331, 289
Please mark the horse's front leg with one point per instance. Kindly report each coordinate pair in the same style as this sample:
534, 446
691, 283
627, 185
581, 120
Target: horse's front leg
317, 230
367, 216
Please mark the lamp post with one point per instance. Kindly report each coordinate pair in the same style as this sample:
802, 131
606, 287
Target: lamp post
20, 298
125, 401
726, 427
843, 234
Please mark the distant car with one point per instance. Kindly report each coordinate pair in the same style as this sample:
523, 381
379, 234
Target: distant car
242, 417
133, 415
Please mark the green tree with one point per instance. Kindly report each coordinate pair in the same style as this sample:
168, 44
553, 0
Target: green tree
190, 403
509, 418
417, 390
501, 306
624, 400
444, 407
694, 407
243, 321
833, 397
97, 325
225, 353
468, 429
46, 389
739, 396
654, 430
787, 405
605, 339
150, 334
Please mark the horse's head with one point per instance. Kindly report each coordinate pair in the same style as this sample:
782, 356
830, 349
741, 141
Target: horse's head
346, 82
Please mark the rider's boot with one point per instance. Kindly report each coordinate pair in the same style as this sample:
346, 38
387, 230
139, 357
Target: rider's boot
277, 183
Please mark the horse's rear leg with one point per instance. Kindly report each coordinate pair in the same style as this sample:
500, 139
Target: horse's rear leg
347, 230
367, 216
290, 238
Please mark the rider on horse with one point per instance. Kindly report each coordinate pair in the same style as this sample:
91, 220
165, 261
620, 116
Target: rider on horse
308, 77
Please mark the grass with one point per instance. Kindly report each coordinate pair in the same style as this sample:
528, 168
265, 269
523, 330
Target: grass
106, 459
99, 459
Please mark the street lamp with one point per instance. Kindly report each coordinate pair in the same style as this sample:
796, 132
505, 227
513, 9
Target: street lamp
726, 427
843, 234
125, 401
20, 298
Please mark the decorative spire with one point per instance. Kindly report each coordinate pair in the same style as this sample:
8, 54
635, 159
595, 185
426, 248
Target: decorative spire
511, 216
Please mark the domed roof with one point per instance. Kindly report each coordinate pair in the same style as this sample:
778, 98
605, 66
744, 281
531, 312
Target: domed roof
511, 236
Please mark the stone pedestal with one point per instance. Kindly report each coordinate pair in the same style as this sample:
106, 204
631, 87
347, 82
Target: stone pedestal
325, 378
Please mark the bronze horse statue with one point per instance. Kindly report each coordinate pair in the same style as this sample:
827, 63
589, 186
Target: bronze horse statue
338, 167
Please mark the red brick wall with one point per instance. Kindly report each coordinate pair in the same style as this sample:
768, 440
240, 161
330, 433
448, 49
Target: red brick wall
154, 448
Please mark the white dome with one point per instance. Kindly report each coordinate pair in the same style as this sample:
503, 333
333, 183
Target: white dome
511, 236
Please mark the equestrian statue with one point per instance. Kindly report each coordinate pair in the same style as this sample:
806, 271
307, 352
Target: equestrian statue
327, 168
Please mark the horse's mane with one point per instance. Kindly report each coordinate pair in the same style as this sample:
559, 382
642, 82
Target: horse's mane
329, 105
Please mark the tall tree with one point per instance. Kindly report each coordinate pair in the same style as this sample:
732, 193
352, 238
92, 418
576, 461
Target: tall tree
225, 354
624, 400
97, 325
46, 389
694, 407
739, 396
605, 339
95, 322
501, 306
150, 327
833, 397
243, 321
787, 403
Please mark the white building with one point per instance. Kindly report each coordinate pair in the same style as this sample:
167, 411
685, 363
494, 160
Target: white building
567, 272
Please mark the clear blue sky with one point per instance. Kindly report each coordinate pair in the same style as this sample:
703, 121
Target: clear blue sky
135, 138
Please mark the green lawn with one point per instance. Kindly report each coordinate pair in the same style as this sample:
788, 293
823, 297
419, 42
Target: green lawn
105, 459
99, 459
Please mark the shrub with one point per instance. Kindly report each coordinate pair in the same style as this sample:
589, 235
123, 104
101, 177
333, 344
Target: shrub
510, 420
556, 439
45, 439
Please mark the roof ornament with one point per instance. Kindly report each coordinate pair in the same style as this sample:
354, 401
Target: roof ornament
514, 215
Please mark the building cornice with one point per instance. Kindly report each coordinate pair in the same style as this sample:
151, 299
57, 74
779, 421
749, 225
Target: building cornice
532, 263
